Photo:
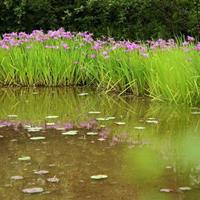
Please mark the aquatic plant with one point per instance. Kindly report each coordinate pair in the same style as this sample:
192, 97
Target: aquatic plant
166, 70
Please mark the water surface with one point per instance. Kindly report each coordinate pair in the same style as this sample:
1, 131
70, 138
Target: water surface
163, 153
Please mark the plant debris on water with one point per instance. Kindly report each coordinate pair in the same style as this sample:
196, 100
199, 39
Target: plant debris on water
41, 172
94, 112
24, 158
53, 180
167, 190
120, 123
99, 177
16, 177
38, 138
186, 188
91, 133
51, 117
70, 133
33, 190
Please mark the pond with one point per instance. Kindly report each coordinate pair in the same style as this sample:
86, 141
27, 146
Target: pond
144, 150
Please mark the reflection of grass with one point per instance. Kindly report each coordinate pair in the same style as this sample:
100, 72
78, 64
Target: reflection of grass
65, 103
145, 166
142, 165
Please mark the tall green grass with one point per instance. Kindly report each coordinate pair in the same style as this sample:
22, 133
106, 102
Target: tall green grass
166, 75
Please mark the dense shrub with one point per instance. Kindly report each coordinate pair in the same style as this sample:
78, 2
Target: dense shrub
134, 19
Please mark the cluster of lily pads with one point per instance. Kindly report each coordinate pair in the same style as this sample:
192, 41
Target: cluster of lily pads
93, 127
52, 180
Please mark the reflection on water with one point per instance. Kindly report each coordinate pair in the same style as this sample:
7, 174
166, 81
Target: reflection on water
157, 148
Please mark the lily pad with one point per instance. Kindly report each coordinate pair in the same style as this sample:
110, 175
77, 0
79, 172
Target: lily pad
41, 172
101, 139
94, 112
83, 94
167, 190
186, 188
53, 180
92, 133
51, 117
26, 126
34, 129
12, 116
38, 138
33, 190
139, 127
99, 177
151, 118
101, 119
16, 177
24, 158
14, 140
35, 93
105, 118
102, 126
60, 128
195, 113
50, 123
110, 118
152, 121
70, 133
120, 123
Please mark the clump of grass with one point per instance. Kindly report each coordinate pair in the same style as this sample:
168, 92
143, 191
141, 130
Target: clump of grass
163, 70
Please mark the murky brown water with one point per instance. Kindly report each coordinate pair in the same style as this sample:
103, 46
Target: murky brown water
163, 153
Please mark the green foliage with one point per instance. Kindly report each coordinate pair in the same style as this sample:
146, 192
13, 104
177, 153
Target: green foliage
165, 74
134, 19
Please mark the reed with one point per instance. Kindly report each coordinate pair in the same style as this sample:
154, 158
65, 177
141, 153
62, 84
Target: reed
164, 70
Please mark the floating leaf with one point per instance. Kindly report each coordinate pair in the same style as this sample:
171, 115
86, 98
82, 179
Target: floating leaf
50, 123
186, 188
41, 172
94, 112
60, 128
24, 158
51, 117
35, 93
110, 118
92, 133
101, 139
166, 190
99, 177
139, 127
34, 129
38, 138
16, 177
120, 123
83, 94
196, 113
152, 121
26, 126
12, 116
74, 132
33, 190
14, 140
53, 180
101, 119
151, 118
168, 167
